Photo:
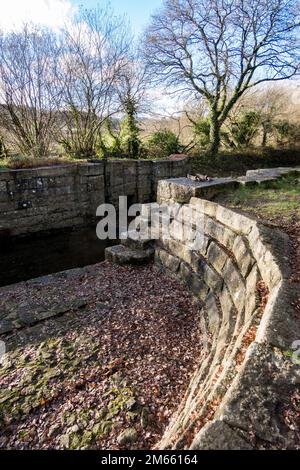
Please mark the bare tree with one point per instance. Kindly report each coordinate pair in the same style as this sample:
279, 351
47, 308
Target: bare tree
28, 90
218, 49
95, 47
133, 83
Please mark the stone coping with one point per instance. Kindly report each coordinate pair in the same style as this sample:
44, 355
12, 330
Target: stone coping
182, 189
95, 164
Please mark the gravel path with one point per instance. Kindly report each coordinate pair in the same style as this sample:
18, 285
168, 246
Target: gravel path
107, 375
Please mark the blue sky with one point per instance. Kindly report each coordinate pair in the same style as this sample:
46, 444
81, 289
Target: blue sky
137, 11
55, 13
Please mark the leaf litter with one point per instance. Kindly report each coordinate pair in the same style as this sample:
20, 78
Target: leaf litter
106, 376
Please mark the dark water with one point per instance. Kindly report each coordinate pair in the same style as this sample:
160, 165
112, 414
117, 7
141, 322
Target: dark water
26, 258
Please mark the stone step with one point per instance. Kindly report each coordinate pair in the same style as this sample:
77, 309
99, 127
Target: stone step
122, 255
132, 240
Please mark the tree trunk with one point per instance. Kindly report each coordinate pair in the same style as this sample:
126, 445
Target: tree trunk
264, 139
215, 136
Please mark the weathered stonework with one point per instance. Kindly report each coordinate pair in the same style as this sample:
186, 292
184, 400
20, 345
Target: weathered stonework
181, 190
237, 395
240, 388
34, 200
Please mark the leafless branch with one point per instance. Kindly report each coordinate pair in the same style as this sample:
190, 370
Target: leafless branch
219, 49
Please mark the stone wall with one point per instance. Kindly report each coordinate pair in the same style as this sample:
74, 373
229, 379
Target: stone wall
244, 382
34, 200
182, 189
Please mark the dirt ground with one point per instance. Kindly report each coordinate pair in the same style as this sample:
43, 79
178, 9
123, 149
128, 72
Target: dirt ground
108, 373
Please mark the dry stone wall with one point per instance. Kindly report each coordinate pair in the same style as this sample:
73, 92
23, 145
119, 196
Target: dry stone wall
245, 380
33, 200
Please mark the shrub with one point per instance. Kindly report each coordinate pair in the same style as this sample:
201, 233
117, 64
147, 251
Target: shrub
129, 136
3, 148
244, 128
202, 132
163, 143
287, 133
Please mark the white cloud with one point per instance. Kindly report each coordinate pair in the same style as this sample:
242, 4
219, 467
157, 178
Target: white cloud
165, 104
51, 13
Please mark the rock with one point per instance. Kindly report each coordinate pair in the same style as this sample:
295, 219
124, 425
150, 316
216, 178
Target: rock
53, 430
122, 255
243, 256
169, 261
131, 404
218, 435
127, 437
216, 256
6, 326
75, 428
235, 284
64, 441
71, 419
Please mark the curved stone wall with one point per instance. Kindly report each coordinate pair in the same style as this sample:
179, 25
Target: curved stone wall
245, 378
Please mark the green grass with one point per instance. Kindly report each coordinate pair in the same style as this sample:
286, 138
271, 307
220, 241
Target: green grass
281, 200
